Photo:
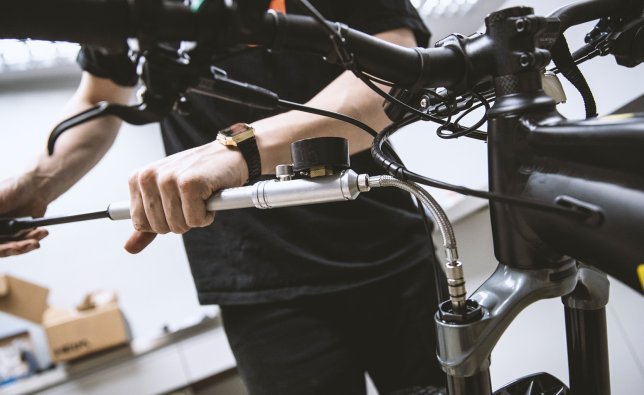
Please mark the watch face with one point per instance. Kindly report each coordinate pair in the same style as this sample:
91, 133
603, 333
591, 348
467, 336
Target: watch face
236, 129
235, 134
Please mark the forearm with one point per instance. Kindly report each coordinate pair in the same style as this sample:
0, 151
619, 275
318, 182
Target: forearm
170, 195
81, 148
347, 95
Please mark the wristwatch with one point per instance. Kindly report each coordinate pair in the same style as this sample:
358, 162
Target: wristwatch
242, 136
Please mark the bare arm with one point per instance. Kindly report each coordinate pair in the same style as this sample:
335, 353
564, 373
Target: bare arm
347, 95
81, 148
169, 195
76, 153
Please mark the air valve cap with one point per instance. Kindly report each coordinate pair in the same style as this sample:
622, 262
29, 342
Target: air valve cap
284, 172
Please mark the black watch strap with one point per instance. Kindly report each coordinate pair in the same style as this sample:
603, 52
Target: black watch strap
242, 136
249, 151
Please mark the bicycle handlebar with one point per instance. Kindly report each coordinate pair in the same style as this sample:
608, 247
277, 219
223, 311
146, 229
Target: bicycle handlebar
109, 23
586, 11
98, 22
404, 66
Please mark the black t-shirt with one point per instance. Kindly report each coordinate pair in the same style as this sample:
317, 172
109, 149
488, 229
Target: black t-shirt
253, 256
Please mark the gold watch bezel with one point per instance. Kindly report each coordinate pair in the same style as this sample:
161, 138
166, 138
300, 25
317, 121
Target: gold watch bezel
235, 134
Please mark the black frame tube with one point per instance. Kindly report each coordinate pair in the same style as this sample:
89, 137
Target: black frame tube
480, 384
586, 336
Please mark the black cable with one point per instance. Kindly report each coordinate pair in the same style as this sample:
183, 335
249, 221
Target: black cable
562, 58
425, 116
402, 173
348, 62
319, 18
448, 107
388, 97
453, 135
578, 61
346, 57
397, 170
287, 105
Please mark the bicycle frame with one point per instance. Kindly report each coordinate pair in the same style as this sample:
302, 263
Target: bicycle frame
533, 152
592, 167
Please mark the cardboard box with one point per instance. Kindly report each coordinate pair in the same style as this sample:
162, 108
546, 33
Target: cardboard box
22, 298
76, 333
94, 325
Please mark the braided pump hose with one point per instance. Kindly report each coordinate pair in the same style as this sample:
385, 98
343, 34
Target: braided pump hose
453, 267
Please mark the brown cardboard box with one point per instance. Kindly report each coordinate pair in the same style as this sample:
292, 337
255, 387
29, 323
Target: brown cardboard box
76, 333
22, 298
96, 324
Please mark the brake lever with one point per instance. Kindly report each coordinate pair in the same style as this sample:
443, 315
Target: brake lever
138, 114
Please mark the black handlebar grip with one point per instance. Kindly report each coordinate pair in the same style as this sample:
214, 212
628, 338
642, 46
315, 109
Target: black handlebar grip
589, 10
103, 23
406, 67
97, 22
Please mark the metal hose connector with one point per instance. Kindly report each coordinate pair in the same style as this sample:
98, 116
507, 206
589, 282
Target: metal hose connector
453, 268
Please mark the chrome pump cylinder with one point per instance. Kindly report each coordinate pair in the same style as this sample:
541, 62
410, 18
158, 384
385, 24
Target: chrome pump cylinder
346, 185
275, 193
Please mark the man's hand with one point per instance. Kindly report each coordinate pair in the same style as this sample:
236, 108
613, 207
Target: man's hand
19, 197
28, 242
170, 195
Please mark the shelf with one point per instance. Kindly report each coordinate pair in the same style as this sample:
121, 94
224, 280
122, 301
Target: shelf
148, 366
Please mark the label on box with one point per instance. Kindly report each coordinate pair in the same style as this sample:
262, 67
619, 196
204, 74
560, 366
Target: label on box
85, 333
